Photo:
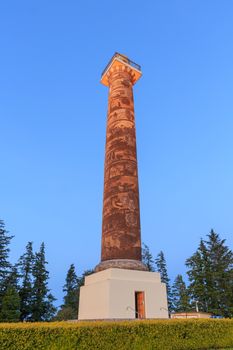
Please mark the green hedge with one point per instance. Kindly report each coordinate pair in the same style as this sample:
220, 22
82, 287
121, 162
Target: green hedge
131, 335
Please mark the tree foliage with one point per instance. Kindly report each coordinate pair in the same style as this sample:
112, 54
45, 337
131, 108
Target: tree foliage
147, 257
180, 295
25, 265
5, 271
69, 310
10, 305
71, 288
210, 272
5, 266
24, 292
161, 265
42, 299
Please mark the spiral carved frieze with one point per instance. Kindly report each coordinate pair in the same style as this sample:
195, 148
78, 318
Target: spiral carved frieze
121, 238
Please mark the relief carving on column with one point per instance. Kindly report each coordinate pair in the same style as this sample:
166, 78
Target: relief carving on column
121, 236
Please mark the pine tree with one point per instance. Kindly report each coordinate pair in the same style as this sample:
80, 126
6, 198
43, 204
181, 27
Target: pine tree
180, 295
25, 265
211, 276
71, 289
69, 310
4, 254
221, 275
10, 306
5, 266
42, 300
147, 257
162, 269
199, 277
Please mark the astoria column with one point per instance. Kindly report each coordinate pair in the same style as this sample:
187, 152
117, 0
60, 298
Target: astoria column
121, 286
121, 236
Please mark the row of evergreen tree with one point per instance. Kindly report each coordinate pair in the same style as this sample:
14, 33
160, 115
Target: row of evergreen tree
25, 295
209, 277
24, 292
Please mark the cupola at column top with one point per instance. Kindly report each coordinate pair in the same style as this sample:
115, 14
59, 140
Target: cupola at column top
121, 62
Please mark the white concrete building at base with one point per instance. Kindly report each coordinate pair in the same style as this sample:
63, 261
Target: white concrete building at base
123, 294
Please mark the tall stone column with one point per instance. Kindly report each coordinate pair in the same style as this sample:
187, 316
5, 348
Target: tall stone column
115, 291
121, 236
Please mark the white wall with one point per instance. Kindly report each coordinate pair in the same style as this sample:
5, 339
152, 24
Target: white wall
110, 294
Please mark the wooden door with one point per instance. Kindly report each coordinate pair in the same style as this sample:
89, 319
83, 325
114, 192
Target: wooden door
139, 304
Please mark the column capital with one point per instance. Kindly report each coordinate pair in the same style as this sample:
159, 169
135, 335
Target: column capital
121, 63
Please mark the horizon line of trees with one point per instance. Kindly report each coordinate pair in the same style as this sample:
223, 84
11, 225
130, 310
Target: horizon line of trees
25, 295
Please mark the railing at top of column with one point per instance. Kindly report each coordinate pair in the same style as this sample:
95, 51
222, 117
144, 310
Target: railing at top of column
123, 59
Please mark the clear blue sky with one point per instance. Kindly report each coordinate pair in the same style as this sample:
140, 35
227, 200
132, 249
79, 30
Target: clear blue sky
53, 119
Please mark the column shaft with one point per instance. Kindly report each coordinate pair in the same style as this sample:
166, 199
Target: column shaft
121, 217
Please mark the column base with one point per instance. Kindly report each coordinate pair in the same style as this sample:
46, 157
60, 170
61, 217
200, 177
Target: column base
127, 264
111, 294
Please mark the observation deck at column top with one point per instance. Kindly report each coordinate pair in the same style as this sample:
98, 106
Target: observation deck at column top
119, 60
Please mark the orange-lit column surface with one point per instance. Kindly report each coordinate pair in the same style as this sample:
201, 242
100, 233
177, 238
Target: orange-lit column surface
121, 237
